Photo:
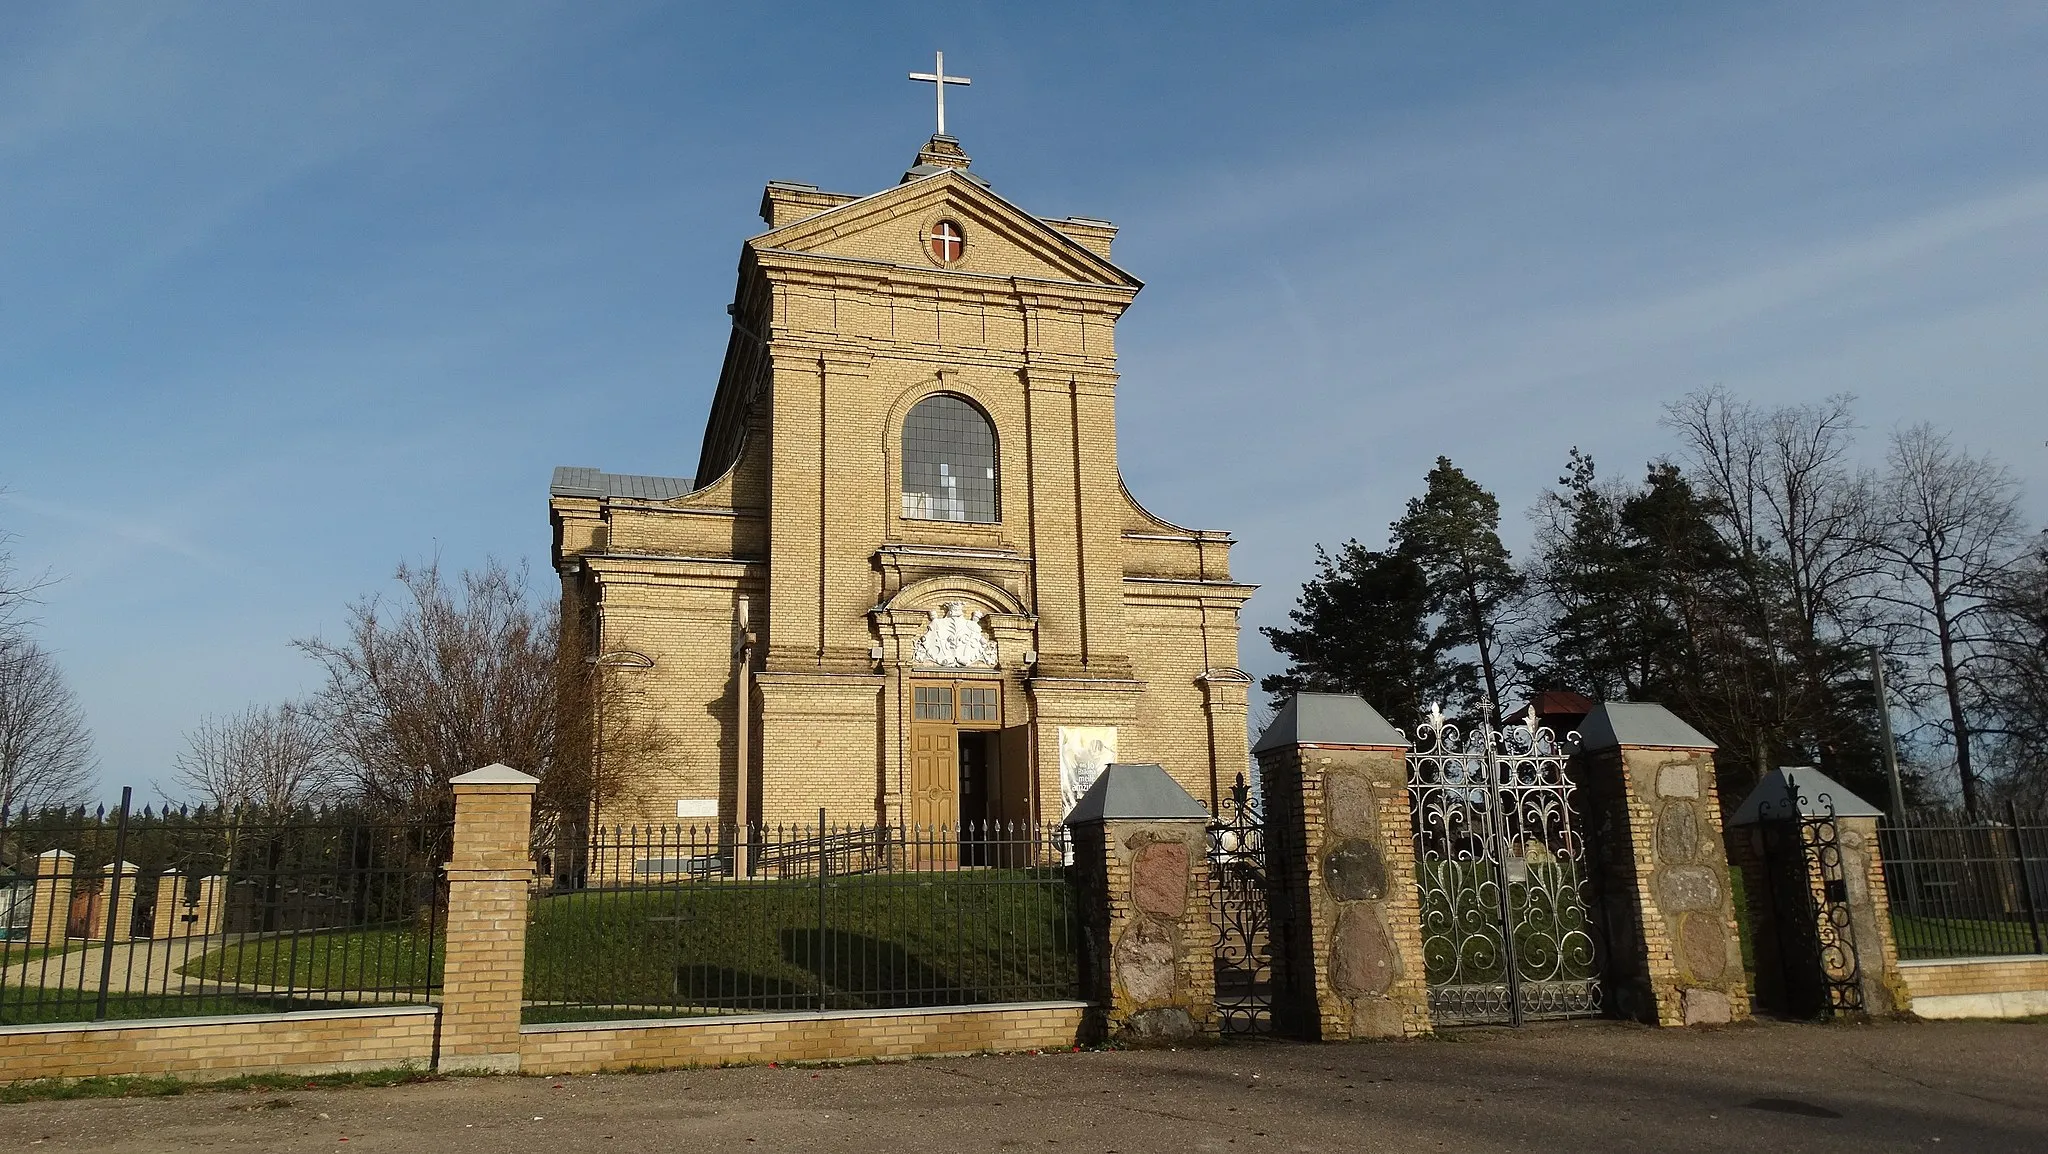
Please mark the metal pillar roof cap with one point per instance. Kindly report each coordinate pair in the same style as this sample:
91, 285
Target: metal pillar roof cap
1136, 791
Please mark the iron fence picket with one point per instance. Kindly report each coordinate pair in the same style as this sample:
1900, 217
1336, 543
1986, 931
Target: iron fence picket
656, 923
1962, 888
306, 910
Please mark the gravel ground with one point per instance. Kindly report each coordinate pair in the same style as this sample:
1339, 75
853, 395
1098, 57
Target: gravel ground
1955, 1086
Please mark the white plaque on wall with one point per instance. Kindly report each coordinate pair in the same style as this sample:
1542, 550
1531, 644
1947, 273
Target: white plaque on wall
697, 807
1085, 750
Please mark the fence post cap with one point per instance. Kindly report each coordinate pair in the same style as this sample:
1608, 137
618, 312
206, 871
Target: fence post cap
1819, 796
497, 773
1136, 791
54, 854
1614, 724
125, 867
1328, 719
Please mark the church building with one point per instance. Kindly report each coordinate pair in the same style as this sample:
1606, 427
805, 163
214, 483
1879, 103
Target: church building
907, 583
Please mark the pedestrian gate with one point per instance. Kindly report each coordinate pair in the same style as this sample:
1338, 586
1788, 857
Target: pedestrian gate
1239, 915
1809, 892
1502, 874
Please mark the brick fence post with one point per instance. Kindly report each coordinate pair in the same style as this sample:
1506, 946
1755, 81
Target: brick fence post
50, 915
1141, 852
1675, 952
165, 914
1340, 862
123, 919
484, 964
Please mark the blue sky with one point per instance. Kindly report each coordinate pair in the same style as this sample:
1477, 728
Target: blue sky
290, 293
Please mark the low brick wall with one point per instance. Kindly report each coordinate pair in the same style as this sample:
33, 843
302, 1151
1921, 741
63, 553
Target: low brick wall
2015, 986
587, 1048
314, 1042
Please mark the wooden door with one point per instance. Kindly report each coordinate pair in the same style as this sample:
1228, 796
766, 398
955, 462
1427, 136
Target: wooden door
934, 776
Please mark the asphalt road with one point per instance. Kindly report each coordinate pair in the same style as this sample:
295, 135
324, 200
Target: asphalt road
1935, 1086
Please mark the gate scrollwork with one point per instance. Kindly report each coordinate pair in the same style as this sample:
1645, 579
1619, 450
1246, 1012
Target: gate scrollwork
1501, 872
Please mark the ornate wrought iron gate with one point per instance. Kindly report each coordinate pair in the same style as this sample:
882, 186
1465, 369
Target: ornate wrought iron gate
1802, 853
1502, 873
1239, 913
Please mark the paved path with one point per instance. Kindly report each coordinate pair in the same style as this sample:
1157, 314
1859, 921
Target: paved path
1947, 1087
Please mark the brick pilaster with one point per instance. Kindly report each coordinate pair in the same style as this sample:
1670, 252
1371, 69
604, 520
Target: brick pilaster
50, 919
489, 874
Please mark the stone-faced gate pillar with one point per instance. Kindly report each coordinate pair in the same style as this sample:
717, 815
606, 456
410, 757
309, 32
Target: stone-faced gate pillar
1674, 949
489, 875
1340, 866
1141, 850
50, 915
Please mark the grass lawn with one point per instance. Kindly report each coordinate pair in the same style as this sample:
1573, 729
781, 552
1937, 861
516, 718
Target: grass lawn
702, 947
139, 1086
1919, 936
889, 941
385, 958
31, 1006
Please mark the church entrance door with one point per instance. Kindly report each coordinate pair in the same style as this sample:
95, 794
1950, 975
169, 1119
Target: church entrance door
957, 781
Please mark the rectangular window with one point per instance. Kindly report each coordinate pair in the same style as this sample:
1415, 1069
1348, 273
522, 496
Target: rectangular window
933, 703
980, 705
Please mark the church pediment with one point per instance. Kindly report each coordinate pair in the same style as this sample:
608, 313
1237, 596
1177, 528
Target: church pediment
946, 222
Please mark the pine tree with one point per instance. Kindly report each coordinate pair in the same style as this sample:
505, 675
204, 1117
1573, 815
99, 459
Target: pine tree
1452, 532
1360, 627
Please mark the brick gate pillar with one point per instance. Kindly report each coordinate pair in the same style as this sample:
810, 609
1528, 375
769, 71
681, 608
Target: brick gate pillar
1340, 866
1141, 853
50, 913
1674, 949
484, 965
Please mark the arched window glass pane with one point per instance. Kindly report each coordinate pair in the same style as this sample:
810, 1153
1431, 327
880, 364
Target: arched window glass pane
949, 462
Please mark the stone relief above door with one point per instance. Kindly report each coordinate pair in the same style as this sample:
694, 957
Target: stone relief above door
956, 639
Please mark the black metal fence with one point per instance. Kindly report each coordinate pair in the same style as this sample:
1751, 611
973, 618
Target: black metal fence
175, 912
677, 921
1967, 889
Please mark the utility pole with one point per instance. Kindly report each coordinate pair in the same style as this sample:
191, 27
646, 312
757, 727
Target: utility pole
1884, 729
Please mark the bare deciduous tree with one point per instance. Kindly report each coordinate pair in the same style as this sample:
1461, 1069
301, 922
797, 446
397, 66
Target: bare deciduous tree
45, 747
271, 758
445, 681
1949, 534
1797, 513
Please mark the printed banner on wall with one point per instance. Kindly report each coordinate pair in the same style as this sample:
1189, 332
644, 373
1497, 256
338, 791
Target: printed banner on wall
1085, 751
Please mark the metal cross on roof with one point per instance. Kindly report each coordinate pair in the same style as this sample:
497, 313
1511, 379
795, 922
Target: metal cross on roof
938, 79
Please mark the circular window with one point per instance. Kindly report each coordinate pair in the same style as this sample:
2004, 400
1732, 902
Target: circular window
946, 242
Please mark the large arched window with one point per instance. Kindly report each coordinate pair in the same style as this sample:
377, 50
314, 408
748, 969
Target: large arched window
949, 462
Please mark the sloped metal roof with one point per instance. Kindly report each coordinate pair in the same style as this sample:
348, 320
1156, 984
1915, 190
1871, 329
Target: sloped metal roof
1819, 796
1328, 719
576, 481
1135, 791
1645, 723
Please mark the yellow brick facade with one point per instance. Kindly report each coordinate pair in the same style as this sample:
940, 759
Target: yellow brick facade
1100, 613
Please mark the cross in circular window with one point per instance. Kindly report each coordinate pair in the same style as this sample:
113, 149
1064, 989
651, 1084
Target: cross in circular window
947, 242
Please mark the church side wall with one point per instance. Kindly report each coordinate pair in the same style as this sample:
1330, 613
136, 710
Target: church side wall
682, 617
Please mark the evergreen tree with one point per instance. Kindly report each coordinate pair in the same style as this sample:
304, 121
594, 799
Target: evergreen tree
1360, 627
1452, 532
